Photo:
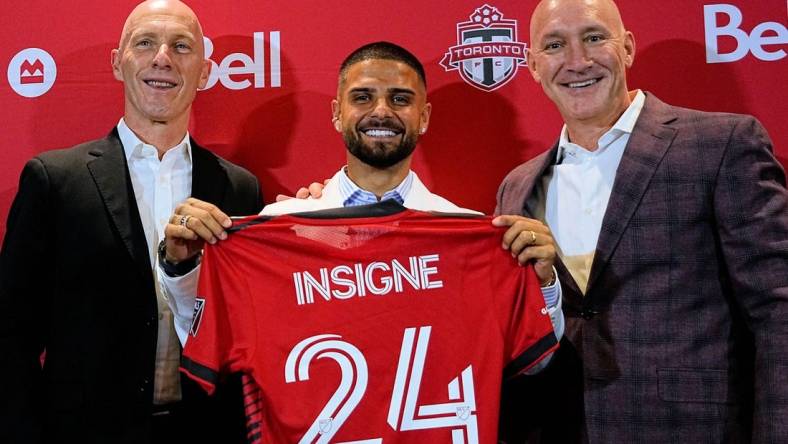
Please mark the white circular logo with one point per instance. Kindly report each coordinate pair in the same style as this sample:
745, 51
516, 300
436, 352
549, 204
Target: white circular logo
32, 72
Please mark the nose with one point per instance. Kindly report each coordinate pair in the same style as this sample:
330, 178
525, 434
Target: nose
162, 58
381, 108
578, 58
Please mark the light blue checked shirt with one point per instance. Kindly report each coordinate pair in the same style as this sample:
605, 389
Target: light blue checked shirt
353, 196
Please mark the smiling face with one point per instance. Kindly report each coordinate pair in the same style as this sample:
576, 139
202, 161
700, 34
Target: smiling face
161, 62
380, 109
580, 53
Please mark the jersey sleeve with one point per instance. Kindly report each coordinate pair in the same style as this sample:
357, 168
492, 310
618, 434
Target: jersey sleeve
528, 332
221, 336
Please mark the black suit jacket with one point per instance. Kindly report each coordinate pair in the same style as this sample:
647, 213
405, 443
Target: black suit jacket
76, 281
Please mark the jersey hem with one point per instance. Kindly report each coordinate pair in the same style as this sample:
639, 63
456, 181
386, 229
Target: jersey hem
203, 375
531, 356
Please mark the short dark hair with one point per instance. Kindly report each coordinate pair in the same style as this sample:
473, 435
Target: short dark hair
382, 51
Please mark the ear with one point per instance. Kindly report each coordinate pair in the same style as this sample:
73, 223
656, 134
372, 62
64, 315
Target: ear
629, 48
531, 62
424, 121
205, 73
335, 115
115, 61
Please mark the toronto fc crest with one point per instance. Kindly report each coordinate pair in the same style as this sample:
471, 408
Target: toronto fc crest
487, 53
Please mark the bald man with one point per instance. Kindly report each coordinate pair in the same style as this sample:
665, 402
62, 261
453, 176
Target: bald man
672, 234
76, 269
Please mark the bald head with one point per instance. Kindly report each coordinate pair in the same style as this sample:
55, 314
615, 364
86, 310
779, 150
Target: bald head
161, 62
579, 53
165, 10
602, 9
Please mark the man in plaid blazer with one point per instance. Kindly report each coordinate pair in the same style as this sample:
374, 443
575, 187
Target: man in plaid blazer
672, 229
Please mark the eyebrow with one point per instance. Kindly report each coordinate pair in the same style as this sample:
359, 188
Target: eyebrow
148, 34
401, 91
389, 90
586, 30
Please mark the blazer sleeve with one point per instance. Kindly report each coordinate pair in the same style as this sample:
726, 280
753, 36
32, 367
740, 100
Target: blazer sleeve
244, 196
751, 210
25, 287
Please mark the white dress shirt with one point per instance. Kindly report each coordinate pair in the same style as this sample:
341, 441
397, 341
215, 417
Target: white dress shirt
159, 186
579, 188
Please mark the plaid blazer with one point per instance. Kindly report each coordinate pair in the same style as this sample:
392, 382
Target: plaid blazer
682, 335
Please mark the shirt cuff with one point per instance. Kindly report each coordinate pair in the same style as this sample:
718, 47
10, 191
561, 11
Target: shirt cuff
181, 292
552, 293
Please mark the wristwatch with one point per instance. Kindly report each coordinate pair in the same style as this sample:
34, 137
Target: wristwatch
179, 269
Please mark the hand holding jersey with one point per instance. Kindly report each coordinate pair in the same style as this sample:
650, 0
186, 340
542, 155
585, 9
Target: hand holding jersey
196, 222
530, 240
193, 223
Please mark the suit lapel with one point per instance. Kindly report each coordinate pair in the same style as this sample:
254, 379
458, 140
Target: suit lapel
111, 176
650, 139
532, 176
209, 178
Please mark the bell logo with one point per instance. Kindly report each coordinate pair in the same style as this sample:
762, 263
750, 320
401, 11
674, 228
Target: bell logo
238, 63
762, 38
32, 72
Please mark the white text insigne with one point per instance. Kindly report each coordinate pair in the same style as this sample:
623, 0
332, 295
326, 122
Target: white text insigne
377, 278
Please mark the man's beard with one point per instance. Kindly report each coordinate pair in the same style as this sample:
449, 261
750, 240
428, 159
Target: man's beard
376, 154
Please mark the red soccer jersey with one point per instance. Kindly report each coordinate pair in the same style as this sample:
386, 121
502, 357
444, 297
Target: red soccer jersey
392, 327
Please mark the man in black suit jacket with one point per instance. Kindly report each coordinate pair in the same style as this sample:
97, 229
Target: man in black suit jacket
76, 273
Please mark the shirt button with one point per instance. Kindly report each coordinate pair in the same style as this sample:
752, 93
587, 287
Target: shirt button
589, 211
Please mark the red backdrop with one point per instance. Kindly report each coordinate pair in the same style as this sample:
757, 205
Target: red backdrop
283, 132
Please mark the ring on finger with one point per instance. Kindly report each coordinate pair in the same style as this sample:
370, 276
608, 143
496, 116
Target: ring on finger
184, 221
533, 237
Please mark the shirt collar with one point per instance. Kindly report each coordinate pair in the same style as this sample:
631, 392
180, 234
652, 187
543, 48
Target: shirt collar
624, 125
352, 194
134, 145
